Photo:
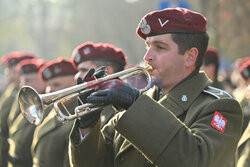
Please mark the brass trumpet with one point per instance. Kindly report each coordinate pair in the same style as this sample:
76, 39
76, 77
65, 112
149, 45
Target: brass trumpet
32, 104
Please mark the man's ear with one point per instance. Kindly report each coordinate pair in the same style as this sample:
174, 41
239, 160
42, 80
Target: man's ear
110, 70
191, 56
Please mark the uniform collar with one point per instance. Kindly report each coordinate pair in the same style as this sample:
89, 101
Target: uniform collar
188, 90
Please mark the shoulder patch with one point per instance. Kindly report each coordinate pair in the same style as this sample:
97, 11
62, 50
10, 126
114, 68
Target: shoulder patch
219, 122
218, 93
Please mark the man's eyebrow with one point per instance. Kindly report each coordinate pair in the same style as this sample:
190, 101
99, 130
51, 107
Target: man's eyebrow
160, 42
156, 42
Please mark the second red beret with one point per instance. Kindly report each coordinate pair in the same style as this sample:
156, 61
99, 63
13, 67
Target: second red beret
98, 51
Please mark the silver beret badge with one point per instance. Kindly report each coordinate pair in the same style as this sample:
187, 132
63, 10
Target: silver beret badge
57, 70
47, 73
145, 28
86, 51
77, 57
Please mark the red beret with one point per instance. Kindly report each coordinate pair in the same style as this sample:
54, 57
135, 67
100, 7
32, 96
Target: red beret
98, 51
56, 68
29, 66
13, 58
171, 20
212, 53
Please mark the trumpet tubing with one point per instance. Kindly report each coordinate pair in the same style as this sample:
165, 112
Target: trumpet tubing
32, 104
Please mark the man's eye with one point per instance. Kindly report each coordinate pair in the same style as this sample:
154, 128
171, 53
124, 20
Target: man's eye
160, 48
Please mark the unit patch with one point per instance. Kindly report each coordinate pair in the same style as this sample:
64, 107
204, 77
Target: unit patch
219, 122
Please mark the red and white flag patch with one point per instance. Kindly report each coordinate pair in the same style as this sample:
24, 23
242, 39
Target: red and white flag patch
219, 122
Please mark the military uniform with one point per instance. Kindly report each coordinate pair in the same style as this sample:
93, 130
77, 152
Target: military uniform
50, 143
14, 112
5, 106
193, 125
243, 151
241, 95
20, 139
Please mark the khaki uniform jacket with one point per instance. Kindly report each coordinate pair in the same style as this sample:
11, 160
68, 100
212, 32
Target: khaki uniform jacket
243, 151
175, 131
14, 112
5, 105
20, 139
50, 143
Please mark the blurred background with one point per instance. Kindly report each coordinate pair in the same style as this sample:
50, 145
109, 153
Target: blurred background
53, 28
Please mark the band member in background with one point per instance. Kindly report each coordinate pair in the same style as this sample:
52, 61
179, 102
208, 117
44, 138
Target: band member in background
240, 78
50, 142
27, 73
192, 124
9, 62
21, 131
211, 65
243, 150
94, 55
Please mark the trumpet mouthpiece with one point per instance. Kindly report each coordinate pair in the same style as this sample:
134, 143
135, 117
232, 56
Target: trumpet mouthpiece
149, 68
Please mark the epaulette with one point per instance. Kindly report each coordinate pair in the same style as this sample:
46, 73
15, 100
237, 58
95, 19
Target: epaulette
218, 93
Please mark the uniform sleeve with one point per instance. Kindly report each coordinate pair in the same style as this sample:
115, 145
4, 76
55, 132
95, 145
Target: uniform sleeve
67, 127
166, 141
96, 150
243, 150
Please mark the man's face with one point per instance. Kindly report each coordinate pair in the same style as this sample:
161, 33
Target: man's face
83, 67
33, 80
169, 65
59, 83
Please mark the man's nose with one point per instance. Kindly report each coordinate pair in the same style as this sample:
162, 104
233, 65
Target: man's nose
148, 55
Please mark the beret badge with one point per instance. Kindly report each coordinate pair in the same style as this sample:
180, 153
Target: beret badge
47, 73
86, 51
77, 57
145, 28
57, 70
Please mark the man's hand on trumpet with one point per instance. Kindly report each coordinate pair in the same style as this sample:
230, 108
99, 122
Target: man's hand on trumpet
114, 92
91, 119
91, 75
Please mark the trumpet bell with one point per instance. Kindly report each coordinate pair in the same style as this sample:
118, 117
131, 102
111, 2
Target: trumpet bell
31, 105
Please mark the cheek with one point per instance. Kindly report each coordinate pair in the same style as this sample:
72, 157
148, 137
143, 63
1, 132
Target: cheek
163, 65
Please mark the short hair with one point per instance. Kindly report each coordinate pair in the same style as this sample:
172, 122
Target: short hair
116, 66
186, 41
212, 57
